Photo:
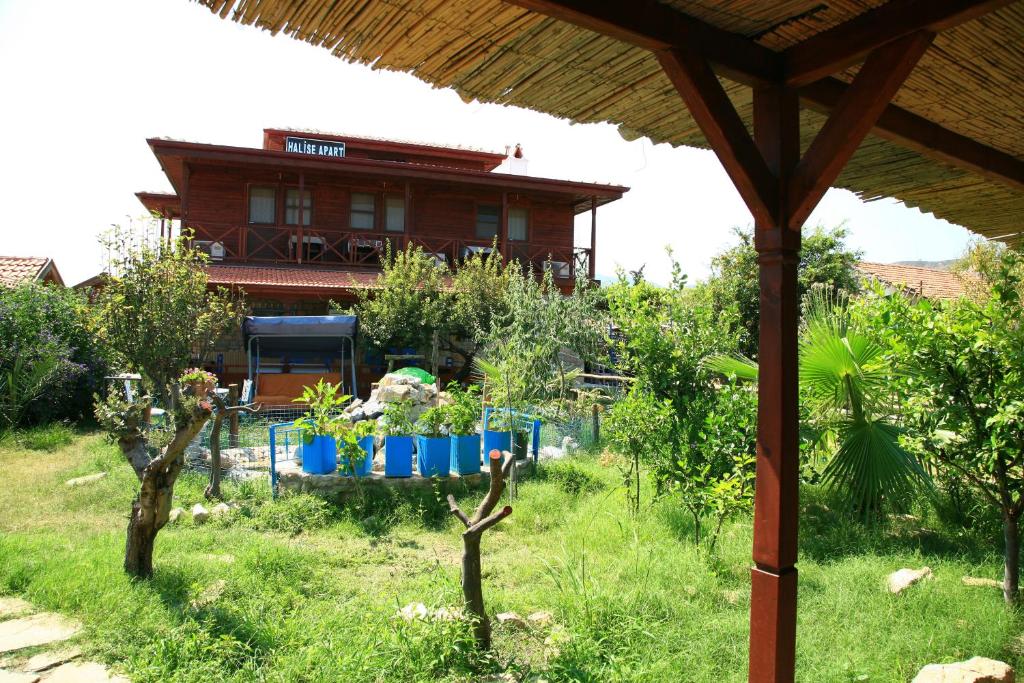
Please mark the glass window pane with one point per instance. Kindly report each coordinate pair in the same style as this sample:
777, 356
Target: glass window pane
394, 214
291, 207
262, 205
517, 222
362, 213
486, 221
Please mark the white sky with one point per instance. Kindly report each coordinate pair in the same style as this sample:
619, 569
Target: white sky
84, 84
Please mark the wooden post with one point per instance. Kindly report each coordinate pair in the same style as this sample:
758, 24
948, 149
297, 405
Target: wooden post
776, 510
406, 215
596, 417
592, 261
186, 178
503, 227
302, 188
233, 426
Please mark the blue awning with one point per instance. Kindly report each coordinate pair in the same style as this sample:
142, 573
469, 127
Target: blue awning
301, 326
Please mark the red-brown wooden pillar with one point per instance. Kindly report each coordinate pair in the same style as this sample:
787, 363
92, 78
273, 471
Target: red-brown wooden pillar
774, 576
302, 191
592, 261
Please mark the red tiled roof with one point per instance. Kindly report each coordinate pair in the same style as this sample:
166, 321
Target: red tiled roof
927, 282
14, 270
298, 277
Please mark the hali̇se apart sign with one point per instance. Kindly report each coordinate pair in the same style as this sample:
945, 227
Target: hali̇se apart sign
320, 148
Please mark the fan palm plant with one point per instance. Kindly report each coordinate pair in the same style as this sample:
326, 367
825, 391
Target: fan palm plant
843, 380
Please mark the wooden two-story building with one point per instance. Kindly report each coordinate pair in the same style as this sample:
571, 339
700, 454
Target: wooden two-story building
305, 218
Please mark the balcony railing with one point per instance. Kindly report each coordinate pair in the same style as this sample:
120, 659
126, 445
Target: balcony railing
361, 248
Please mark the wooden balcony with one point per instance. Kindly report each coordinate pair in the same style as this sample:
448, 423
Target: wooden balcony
364, 249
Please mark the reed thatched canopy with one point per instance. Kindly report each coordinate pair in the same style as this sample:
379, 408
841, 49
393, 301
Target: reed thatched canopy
951, 142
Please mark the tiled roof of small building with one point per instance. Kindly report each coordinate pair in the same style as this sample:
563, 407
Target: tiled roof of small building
927, 282
304, 277
14, 270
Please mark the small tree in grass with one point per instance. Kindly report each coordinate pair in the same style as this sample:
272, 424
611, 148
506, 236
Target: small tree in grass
963, 383
155, 314
481, 521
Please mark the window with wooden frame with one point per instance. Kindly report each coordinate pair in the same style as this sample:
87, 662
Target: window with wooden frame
262, 205
394, 213
363, 211
291, 206
518, 223
487, 220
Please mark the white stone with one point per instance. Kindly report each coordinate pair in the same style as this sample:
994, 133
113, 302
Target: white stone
13, 607
511, 619
220, 509
900, 580
974, 670
540, 618
981, 583
199, 513
17, 677
88, 479
175, 515
84, 672
38, 629
413, 611
48, 660
395, 393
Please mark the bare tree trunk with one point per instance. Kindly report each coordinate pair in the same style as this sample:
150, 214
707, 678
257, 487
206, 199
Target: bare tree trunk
482, 520
1011, 563
157, 474
223, 411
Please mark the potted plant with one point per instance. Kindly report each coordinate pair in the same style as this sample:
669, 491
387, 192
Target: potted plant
397, 430
460, 420
498, 432
355, 447
201, 381
319, 450
433, 448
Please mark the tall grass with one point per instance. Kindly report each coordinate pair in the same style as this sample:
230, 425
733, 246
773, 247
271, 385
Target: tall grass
311, 592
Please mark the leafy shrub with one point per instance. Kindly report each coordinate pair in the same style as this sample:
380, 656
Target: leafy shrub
48, 350
45, 438
572, 478
293, 514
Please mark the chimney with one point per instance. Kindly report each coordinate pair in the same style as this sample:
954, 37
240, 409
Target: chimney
517, 163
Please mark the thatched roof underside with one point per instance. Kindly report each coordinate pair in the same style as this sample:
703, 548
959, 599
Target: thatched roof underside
969, 81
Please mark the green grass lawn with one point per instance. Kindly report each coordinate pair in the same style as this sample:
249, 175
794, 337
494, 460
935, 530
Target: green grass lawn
310, 592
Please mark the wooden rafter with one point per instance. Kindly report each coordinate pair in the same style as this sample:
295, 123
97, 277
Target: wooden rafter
655, 26
711, 108
833, 50
854, 115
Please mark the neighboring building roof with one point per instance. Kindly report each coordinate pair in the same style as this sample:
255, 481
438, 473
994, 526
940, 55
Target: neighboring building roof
15, 270
927, 282
306, 278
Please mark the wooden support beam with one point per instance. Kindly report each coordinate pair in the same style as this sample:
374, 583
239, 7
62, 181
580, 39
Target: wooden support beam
776, 510
856, 112
711, 108
924, 137
848, 43
656, 26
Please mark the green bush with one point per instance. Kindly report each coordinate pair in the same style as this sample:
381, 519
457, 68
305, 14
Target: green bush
571, 477
50, 364
294, 514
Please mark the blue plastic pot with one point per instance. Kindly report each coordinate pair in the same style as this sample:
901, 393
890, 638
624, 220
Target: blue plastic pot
397, 456
320, 456
365, 466
465, 454
433, 455
496, 440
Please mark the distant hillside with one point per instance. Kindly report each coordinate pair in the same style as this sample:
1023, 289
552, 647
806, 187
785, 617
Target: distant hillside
935, 265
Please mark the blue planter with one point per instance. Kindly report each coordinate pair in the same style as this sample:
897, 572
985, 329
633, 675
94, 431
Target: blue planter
397, 456
433, 455
365, 466
320, 456
500, 440
465, 454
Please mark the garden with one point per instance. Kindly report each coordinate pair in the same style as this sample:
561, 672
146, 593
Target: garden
626, 558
